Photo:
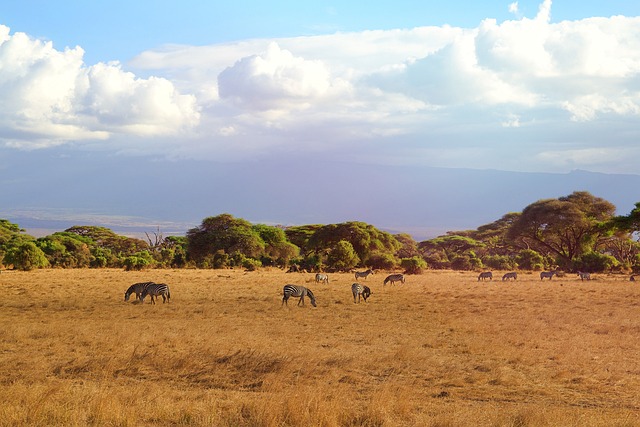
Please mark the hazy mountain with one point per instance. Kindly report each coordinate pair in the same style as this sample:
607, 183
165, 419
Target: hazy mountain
132, 195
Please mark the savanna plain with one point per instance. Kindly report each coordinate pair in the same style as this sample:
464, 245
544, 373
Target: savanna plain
440, 350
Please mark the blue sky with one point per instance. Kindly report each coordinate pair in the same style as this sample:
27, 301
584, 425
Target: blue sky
530, 86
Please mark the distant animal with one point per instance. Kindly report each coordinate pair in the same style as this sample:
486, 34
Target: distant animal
136, 288
584, 275
359, 290
322, 278
547, 274
393, 278
363, 274
295, 268
512, 275
155, 290
632, 278
297, 291
485, 275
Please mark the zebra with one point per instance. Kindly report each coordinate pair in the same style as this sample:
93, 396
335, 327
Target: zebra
138, 288
547, 274
485, 275
394, 278
155, 290
363, 274
297, 291
322, 278
584, 275
512, 275
359, 290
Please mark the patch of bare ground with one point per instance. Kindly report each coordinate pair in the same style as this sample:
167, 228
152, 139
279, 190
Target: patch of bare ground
441, 350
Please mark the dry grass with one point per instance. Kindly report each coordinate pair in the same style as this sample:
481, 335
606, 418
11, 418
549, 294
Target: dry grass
442, 350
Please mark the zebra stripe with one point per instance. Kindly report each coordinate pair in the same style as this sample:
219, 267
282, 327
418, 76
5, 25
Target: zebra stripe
363, 274
394, 278
547, 274
155, 290
136, 288
584, 275
512, 275
297, 291
360, 291
322, 278
485, 275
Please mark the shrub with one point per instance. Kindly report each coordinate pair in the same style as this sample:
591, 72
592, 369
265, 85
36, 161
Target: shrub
413, 265
529, 259
595, 262
499, 262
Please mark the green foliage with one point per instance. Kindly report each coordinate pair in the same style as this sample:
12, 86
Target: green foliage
499, 262
66, 250
382, 261
138, 261
594, 262
25, 256
528, 259
413, 265
343, 256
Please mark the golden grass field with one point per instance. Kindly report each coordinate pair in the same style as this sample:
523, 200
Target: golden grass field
441, 350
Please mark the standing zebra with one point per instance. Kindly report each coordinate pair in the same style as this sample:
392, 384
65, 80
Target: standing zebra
547, 274
322, 278
512, 275
155, 290
485, 275
359, 290
363, 273
584, 275
394, 278
297, 291
136, 288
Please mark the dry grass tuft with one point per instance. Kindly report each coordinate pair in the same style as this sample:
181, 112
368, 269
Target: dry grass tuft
441, 350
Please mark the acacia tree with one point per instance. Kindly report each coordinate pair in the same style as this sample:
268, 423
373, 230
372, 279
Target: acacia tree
564, 228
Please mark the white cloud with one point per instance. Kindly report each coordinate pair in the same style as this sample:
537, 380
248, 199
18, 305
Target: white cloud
50, 97
513, 8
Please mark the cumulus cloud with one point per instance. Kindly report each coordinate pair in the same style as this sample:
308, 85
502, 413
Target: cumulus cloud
51, 97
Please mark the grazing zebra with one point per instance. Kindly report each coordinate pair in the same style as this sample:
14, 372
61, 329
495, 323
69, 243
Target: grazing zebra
155, 290
136, 288
359, 290
394, 278
485, 275
364, 273
584, 275
512, 275
547, 274
297, 291
322, 278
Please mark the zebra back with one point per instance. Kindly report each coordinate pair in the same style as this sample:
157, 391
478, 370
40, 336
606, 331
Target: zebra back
154, 290
394, 278
359, 290
137, 288
299, 292
485, 275
363, 273
512, 275
322, 278
547, 274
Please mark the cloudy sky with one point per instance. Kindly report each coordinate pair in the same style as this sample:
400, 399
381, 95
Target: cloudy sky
532, 85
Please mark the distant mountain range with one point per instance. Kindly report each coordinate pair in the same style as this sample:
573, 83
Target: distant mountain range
133, 195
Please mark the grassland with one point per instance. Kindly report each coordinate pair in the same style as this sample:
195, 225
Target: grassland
441, 350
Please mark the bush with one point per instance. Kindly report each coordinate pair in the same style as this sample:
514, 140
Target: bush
499, 262
529, 259
382, 261
26, 256
413, 265
251, 264
595, 262
135, 263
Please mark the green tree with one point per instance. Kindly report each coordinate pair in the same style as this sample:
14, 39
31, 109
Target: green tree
26, 256
343, 256
413, 265
565, 227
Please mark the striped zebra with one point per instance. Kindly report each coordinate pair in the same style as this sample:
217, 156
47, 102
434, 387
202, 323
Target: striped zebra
547, 274
485, 275
584, 275
136, 288
363, 274
512, 275
359, 290
394, 278
297, 291
155, 290
322, 278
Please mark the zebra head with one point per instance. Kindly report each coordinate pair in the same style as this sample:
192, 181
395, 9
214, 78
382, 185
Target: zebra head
312, 297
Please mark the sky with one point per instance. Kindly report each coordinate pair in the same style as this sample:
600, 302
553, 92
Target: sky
528, 86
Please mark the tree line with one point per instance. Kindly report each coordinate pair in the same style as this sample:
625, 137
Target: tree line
575, 232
